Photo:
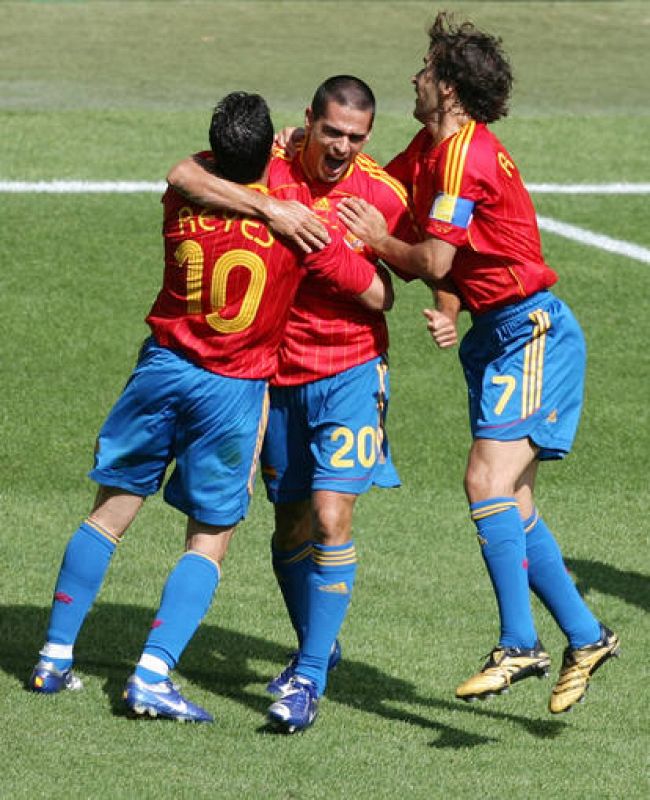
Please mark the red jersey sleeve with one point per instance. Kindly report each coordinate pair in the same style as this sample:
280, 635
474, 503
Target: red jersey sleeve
339, 267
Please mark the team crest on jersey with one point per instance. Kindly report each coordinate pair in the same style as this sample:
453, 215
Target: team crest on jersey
322, 204
353, 242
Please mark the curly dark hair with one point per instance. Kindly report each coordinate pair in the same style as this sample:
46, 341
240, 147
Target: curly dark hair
241, 136
474, 64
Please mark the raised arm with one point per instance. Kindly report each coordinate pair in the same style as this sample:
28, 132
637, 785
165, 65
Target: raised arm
192, 178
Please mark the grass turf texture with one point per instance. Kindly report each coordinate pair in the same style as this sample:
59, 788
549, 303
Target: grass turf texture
120, 91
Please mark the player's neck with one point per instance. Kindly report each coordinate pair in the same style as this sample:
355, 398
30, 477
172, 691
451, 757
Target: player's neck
447, 124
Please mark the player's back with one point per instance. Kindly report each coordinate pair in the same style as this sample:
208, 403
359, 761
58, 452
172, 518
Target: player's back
227, 288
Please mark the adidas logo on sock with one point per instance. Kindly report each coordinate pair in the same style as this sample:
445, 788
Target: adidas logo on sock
336, 588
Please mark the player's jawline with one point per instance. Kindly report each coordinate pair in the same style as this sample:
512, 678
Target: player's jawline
572, 232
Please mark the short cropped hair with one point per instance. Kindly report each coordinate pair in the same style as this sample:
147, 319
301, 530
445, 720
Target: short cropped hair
241, 136
346, 90
474, 64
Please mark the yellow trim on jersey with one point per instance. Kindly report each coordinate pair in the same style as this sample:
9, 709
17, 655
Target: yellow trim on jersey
494, 508
102, 531
531, 394
371, 167
456, 157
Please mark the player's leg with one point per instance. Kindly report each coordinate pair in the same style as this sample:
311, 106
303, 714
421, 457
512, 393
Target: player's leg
590, 643
290, 551
346, 415
186, 598
133, 450
287, 468
332, 567
85, 562
509, 358
547, 573
216, 454
492, 474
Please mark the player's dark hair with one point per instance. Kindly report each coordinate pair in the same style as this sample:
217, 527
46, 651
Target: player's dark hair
346, 90
474, 64
241, 136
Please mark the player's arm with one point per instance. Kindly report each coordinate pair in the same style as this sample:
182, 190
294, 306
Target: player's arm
430, 259
442, 320
379, 296
289, 218
346, 272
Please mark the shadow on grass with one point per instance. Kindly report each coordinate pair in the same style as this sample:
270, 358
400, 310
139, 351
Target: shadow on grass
632, 587
222, 662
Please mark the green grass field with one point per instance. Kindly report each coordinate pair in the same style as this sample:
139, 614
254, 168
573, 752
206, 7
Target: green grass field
120, 91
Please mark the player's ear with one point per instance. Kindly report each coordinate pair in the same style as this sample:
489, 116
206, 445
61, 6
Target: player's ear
309, 118
446, 91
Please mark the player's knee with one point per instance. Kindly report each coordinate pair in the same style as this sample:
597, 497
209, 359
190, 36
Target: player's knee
293, 525
333, 522
482, 482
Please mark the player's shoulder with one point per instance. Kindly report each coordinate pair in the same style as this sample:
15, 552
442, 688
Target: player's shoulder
374, 176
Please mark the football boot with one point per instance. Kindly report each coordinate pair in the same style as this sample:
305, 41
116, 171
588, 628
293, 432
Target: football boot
296, 710
578, 665
281, 683
505, 666
48, 679
162, 699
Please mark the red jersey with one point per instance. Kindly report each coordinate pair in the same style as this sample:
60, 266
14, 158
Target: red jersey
467, 191
228, 285
327, 332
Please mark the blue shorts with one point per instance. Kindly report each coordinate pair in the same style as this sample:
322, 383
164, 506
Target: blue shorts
329, 434
524, 366
172, 409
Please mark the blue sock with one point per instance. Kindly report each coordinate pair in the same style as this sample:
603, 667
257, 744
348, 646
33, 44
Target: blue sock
329, 590
291, 569
503, 545
85, 562
186, 598
552, 583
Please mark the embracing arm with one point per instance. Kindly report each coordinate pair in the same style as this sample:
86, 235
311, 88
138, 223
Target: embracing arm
193, 179
429, 260
379, 296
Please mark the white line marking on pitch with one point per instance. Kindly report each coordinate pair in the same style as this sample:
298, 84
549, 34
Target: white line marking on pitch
572, 232
602, 242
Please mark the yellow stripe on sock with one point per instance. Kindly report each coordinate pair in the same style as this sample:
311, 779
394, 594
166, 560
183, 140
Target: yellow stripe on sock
102, 531
491, 510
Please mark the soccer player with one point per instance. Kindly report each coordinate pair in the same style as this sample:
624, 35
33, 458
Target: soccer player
198, 395
523, 358
326, 442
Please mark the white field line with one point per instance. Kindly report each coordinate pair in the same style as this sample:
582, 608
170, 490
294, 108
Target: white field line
572, 232
598, 240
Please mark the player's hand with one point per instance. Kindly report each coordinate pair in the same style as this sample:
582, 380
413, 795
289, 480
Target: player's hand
441, 327
363, 220
289, 138
296, 222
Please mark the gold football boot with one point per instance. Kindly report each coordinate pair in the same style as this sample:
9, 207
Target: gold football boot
578, 665
505, 665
